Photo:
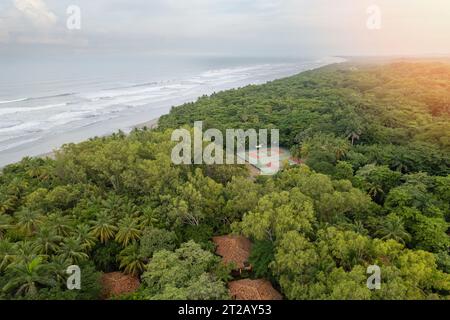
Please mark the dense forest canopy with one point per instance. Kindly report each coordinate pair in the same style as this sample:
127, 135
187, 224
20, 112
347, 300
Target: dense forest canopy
395, 115
374, 189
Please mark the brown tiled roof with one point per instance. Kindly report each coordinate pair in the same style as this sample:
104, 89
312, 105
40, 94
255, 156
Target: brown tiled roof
233, 249
116, 283
247, 289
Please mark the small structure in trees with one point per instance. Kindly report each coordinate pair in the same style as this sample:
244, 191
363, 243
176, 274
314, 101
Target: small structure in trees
234, 250
115, 284
262, 159
248, 289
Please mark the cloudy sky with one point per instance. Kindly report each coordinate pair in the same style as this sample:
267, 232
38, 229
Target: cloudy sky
229, 27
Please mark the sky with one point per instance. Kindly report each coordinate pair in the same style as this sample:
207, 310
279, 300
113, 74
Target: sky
230, 27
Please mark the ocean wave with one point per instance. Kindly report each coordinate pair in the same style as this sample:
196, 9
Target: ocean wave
5, 111
38, 98
54, 96
31, 126
12, 101
137, 85
18, 143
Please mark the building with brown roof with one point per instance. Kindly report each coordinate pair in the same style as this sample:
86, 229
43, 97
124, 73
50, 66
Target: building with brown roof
234, 249
247, 289
115, 284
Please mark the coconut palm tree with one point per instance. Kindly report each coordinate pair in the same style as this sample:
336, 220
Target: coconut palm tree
72, 250
131, 260
63, 225
28, 220
47, 240
354, 136
8, 204
25, 252
341, 148
113, 204
128, 230
374, 190
103, 227
392, 227
59, 266
356, 226
16, 187
24, 278
5, 224
83, 234
130, 209
6, 254
42, 171
148, 218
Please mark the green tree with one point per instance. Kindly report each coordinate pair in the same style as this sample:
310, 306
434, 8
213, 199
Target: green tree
84, 235
5, 224
344, 170
278, 213
131, 260
25, 278
154, 240
47, 240
392, 227
128, 230
28, 220
183, 274
72, 250
7, 254
261, 256
103, 227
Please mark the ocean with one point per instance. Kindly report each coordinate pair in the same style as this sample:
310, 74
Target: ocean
47, 101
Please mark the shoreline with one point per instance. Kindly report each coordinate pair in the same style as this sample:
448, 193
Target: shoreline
77, 137
151, 124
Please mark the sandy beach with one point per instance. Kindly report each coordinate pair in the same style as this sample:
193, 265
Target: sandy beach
151, 124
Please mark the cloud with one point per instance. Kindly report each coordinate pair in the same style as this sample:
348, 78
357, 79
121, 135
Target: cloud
37, 12
231, 26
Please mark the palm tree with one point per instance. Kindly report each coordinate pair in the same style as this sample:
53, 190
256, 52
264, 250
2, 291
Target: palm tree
28, 220
130, 209
374, 190
8, 204
113, 205
5, 224
392, 227
6, 254
47, 240
83, 234
357, 226
72, 250
24, 278
103, 227
131, 260
59, 266
25, 252
148, 217
340, 148
119, 207
128, 230
61, 224
354, 136
16, 187
41, 171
